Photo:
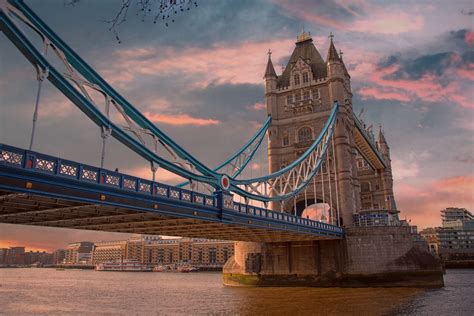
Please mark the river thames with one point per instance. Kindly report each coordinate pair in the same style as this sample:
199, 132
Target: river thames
48, 291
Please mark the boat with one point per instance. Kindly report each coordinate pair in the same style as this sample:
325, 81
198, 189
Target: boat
128, 265
158, 269
186, 269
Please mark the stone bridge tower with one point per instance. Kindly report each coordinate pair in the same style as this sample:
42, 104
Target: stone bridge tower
300, 101
382, 254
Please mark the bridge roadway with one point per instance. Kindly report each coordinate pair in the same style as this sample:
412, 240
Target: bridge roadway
38, 189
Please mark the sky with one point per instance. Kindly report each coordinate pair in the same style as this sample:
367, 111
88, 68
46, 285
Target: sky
200, 81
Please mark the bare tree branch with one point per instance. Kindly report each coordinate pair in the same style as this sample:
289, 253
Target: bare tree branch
157, 10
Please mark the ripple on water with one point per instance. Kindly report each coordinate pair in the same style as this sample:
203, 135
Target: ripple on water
47, 291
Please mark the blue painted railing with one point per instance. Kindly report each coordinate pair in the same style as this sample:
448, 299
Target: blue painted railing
38, 162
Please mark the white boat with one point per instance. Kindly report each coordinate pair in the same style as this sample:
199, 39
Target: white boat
128, 265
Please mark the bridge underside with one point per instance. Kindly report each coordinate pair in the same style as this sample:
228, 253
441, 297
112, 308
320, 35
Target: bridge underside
41, 190
29, 209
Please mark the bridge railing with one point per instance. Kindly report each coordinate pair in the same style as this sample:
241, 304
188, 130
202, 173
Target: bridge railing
67, 169
280, 216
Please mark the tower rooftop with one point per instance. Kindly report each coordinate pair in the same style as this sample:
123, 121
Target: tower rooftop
305, 50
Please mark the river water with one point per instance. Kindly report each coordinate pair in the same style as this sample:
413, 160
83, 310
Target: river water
87, 292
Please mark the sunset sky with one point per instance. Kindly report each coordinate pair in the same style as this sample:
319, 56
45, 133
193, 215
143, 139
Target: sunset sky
200, 80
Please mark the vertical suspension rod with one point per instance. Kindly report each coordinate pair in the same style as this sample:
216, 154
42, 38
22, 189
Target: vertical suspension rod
328, 169
335, 180
41, 75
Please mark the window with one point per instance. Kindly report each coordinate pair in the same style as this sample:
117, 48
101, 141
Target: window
304, 134
316, 94
365, 187
289, 99
305, 77
377, 186
297, 97
286, 140
306, 95
296, 79
212, 255
226, 254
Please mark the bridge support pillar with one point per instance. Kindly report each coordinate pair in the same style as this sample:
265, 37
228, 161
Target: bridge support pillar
369, 256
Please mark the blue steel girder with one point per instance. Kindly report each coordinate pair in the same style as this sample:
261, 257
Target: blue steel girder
245, 188
91, 75
366, 146
38, 175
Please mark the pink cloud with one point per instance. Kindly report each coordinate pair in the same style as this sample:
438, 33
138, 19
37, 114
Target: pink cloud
255, 166
222, 63
180, 119
259, 106
469, 37
379, 94
422, 203
375, 19
388, 22
427, 88
467, 73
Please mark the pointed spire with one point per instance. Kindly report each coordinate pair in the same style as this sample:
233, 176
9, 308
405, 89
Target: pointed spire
381, 138
270, 71
332, 52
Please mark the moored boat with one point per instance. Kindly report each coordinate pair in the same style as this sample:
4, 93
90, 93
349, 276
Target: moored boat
186, 269
123, 266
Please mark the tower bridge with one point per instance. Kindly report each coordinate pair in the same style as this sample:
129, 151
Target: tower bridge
320, 156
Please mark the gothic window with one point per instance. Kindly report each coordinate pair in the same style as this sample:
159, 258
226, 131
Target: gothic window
304, 134
365, 187
286, 140
296, 79
289, 99
297, 96
377, 186
305, 77
316, 94
306, 95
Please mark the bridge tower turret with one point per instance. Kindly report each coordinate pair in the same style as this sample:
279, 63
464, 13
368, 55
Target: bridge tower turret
270, 86
340, 90
300, 100
386, 174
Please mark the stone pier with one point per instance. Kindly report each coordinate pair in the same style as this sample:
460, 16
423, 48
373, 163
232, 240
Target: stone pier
367, 257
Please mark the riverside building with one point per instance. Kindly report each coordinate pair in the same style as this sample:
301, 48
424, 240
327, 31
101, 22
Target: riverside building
154, 250
78, 252
456, 236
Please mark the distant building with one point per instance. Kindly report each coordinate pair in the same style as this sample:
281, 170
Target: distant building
38, 258
15, 256
450, 214
3, 255
79, 252
59, 256
456, 236
154, 250
431, 236
105, 251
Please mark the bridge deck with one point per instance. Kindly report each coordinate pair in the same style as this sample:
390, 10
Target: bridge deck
41, 190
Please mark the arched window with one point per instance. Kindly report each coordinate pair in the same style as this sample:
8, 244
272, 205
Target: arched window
305, 135
305, 77
296, 79
365, 187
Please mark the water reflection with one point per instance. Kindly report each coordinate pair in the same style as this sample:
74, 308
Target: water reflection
91, 292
